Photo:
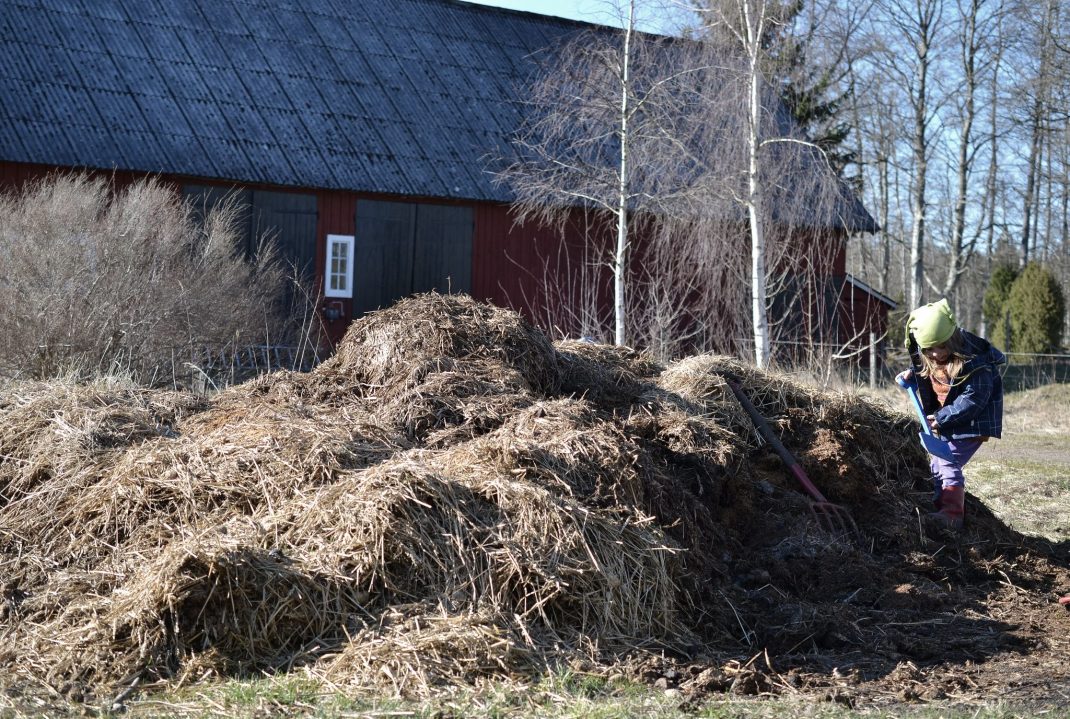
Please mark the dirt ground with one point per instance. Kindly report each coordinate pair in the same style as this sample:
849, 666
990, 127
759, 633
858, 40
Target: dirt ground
966, 619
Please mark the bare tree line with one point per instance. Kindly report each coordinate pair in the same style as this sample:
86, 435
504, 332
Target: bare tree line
684, 142
959, 118
960, 112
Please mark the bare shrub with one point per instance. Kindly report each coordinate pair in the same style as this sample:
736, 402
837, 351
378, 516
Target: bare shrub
98, 278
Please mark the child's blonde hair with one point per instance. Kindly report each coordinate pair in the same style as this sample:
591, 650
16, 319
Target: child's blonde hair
957, 357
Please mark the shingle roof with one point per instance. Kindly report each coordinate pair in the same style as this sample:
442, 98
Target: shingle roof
389, 96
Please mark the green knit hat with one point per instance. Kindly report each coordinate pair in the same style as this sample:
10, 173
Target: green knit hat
931, 324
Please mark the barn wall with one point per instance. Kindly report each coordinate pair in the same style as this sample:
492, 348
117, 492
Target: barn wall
541, 271
860, 313
545, 272
336, 217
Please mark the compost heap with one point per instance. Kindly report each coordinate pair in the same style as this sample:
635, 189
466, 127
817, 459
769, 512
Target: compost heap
452, 497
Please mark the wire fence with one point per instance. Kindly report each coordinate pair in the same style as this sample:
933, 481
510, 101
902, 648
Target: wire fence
1023, 371
1026, 371
214, 368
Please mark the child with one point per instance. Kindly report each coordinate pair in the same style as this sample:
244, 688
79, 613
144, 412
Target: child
961, 391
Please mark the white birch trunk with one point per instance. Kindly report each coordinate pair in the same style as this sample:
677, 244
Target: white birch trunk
620, 259
753, 18
921, 165
956, 259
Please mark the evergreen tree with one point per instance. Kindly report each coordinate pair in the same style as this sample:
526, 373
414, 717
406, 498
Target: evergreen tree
806, 89
1036, 307
994, 304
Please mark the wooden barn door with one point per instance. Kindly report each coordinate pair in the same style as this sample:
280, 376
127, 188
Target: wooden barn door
286, 218
403, 248
289, 219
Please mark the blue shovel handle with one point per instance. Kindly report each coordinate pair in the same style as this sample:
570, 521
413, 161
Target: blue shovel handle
932, 444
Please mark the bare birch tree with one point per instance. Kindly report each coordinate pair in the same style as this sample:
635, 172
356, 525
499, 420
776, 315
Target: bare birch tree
691, 145
773, 148
979, 49
587, 142
747, 23
920, 22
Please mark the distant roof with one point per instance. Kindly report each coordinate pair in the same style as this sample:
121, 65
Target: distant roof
880, 296
401, 97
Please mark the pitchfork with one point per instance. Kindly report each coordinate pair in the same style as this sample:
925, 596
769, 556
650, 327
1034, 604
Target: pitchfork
832, 517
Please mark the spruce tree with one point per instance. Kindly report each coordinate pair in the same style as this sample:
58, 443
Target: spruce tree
994, 305
1036, 307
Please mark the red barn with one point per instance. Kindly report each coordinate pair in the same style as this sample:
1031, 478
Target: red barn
357, 132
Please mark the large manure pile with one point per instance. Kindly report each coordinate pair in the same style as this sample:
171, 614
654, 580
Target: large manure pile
452, 497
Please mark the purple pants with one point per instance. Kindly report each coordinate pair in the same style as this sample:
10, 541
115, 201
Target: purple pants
949, 474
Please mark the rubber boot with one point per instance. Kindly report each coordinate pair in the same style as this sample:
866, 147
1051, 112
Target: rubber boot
952, 508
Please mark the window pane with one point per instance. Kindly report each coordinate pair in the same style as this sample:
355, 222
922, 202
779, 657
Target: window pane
338, 282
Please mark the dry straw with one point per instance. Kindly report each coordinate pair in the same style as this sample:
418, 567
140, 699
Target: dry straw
451, 497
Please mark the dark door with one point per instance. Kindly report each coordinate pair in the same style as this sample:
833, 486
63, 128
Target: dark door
442, 259
382, 254
404, 247
288, 219
203, 199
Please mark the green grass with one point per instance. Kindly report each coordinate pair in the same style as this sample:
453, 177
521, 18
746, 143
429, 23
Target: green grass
559, 696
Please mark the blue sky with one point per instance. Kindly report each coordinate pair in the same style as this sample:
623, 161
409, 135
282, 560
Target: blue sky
603, 12
586, 10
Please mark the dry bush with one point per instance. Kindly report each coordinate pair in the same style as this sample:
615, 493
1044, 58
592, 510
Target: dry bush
99, 278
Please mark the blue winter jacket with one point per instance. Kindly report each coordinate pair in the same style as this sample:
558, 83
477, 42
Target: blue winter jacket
974, 404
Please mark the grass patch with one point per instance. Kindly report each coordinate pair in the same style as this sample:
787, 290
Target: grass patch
1029, 495
557, 696
1024, 478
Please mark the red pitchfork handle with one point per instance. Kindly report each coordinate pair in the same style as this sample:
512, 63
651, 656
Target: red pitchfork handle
775, 443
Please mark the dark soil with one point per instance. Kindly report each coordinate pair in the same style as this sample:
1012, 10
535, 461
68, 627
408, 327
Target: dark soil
892, 616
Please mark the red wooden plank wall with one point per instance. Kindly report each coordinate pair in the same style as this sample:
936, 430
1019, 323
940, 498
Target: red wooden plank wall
337, 216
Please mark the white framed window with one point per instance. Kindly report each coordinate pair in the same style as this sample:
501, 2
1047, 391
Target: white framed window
339, 275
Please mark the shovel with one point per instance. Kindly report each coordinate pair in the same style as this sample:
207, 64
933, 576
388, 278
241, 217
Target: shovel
832, 517
932, 444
